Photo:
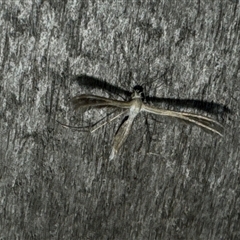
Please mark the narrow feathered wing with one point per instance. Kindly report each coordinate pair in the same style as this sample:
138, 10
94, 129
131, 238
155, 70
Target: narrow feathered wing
201, 121
86, 101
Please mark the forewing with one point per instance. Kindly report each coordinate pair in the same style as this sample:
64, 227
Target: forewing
211, 107
201, 121
86, 101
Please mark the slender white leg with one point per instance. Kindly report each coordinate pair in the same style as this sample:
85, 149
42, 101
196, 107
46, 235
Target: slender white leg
93, 130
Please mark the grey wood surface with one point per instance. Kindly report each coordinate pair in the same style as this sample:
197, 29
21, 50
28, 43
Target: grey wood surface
170, 180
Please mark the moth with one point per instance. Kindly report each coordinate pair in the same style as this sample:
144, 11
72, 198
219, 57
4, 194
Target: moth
134, 106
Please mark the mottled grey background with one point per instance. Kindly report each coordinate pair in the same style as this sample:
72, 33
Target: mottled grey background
170, 181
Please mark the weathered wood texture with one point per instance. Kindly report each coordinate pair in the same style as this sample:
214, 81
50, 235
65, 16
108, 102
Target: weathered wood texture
171, 181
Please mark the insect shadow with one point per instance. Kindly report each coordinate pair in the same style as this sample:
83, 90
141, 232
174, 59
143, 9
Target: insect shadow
209, 107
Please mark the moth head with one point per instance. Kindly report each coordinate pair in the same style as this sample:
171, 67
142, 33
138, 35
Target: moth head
138, 92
